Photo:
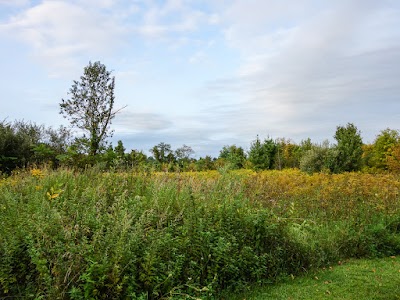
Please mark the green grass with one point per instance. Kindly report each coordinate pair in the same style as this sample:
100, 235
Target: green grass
353, 279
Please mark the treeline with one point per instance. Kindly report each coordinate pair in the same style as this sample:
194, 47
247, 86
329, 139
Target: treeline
25, 144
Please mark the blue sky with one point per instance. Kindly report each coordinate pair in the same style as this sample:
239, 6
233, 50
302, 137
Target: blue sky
208, 73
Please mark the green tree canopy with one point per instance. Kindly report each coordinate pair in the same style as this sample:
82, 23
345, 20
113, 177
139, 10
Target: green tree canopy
262, 154
90, 106
349, 148
234, 156
382, 147
163, 153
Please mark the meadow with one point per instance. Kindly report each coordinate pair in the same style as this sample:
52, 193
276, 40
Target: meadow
196, 235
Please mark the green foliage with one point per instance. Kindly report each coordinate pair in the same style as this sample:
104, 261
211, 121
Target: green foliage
177, 236
320, 158
90, 107
23, 143
163, 153
183, 155
349, 148
382, 148
233, 157
288, 154
205, 163
16, 141
137, 160
262, 154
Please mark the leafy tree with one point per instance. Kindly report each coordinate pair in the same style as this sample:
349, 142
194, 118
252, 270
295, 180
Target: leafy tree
43, 153
137, 159
287, 155
17, 141
205, 163
163, 153
234, 156
75, 156
184, 152
58, 139
262, 154
183, 155
54, 144
319, 158
90, 107
349, 148
393, 160
120, 150
382, 147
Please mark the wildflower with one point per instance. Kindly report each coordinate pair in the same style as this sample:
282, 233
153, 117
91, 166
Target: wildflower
37, 173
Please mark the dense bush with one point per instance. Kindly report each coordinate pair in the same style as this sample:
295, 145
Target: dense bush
66, 235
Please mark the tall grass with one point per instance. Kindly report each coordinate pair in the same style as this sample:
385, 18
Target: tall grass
67, 235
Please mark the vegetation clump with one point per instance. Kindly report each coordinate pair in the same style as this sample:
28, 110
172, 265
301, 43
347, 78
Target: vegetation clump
117, 235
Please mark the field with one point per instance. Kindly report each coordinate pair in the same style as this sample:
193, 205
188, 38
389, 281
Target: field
93, 235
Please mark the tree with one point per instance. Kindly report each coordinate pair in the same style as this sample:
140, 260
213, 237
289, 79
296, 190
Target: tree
382, 147
393, 160
184, 152
137, 159
120, 150
205, 164
287, 154
319, 158
234, 156
262, 154
162, 153
17, 143
183, 155
349, 148
90, 107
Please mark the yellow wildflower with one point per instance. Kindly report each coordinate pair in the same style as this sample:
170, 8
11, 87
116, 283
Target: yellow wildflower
37, 173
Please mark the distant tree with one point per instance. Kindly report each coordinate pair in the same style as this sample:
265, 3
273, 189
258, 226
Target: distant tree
163, 153
287, 154
183, 155
184, 152
120, 150
17, 143
233, 156
319, 158
393, 160
137, 159
53, 145
262, 154
90, 107
349, 148
205, 163
382, 147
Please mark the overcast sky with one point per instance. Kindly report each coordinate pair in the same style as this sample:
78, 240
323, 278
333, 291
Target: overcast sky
208, 73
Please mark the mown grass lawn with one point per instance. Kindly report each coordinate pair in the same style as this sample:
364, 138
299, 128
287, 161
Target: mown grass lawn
353, 279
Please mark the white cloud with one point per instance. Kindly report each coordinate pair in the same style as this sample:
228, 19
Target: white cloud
170, 18
284, 68
300, 59
61, 32
14, 2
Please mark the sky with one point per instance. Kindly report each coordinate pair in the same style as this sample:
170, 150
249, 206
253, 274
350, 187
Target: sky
208, 73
